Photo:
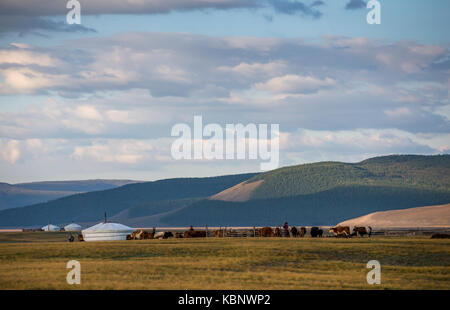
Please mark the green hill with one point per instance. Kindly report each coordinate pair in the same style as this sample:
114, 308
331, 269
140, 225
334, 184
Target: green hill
410, 171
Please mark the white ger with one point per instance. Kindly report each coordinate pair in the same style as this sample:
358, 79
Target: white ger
50, 227
73, 227
106, 232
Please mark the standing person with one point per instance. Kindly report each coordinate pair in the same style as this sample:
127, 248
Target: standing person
191, 228
286, 229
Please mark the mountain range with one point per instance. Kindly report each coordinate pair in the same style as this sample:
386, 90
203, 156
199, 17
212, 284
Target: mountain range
323, 193
23, 194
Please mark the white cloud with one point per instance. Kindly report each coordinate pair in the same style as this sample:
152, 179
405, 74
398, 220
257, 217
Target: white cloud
87, 112
9, 150
26, 80
292, 83
26, 57
306, 145
256, 69
123, 151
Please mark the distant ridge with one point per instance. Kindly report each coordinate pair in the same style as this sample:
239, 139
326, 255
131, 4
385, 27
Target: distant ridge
76, 186
23, 194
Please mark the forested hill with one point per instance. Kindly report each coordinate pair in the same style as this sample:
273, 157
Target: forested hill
400, 171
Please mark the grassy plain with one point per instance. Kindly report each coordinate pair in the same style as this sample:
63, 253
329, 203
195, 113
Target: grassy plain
38, 261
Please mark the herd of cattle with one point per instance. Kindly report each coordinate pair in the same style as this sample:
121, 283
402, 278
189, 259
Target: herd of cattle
294, 232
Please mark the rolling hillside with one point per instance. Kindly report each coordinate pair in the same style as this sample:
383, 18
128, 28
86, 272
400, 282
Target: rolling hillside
403, 171
23, 194
90, 206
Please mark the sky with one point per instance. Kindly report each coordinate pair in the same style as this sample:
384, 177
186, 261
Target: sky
99, 99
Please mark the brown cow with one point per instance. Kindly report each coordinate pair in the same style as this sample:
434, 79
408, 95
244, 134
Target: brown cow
266, 232
219, 233
361, 231
194, 234
277, 232
141, 235
179, 235
341, 231
80, 237
302, 232
135, 234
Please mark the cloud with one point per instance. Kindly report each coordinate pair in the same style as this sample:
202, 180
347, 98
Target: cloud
326, 145
134, 84
12, 150
296, 7
398, 112
97, 7
252, 69
30, 17
355, 4
24, 55
181, 65
36, 25
292, 83
9, 150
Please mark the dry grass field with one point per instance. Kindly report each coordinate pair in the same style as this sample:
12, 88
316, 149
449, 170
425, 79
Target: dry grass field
38, 261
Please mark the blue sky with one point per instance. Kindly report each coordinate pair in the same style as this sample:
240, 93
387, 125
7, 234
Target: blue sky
98, 100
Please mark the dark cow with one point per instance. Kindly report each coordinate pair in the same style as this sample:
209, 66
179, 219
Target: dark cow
266, 232
316, 232
163, 235
194, 233
294, 232
341, 231
179, 235
440, 236
219, 233
362, 231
